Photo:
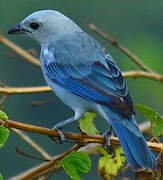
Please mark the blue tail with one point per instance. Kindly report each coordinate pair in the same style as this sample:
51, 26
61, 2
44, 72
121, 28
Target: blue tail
133, 142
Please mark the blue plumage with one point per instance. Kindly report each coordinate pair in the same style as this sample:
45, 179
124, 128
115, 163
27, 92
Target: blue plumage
99, 80
133, 142
85, 77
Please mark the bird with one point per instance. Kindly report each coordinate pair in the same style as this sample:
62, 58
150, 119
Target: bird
83, 74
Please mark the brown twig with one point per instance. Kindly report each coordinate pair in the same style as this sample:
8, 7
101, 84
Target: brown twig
79, 138
32, 143
24, 90
125, 50
3, 98
38, 103
90, 149
148, 75
42, 169
22, 153
19, 51
53, 169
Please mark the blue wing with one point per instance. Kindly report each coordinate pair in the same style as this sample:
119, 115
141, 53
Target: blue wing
99, 81
95, 82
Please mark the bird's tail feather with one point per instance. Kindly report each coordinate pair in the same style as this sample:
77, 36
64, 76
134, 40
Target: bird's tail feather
135, 147
133, 142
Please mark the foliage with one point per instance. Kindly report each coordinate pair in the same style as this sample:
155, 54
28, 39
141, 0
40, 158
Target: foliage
109, 164
155, 118
1, 177
87, 123
75, 164
4, 132
3, 116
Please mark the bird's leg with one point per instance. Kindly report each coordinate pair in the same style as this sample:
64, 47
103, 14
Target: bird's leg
107, 134
60, 126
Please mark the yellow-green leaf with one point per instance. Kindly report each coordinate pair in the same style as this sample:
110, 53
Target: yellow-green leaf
76, 164
87, 123
109, 164
154, 117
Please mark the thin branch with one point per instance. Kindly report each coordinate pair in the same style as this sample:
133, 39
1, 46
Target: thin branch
115, 43
24, 90
38, 103
22, 153
32, 143
19, 51
54, 168
42, 169
90, 149
3, 98
148, 75
79, 138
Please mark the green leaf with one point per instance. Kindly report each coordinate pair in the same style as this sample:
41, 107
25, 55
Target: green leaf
154, 117
109, 164
1, 177
4, 132
3, 116
75, 164
87, 123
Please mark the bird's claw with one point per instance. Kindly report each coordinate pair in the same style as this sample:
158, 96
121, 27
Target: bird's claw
107, 139
61, 138
107, 135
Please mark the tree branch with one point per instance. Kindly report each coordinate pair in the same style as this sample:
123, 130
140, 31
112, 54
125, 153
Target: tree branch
46, 166
90, 149
19, 51
115, 43
24, 90
79, 138
148, 75
32, 143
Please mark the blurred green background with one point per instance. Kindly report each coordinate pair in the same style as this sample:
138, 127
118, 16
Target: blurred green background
137, 24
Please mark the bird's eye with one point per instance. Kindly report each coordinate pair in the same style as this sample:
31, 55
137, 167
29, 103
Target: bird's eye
34, 25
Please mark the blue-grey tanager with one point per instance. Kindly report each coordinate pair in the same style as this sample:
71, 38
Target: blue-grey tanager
85, 77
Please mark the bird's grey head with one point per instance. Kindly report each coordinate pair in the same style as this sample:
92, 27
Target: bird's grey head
44, 25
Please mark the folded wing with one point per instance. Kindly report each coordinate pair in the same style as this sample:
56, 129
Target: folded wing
96, 82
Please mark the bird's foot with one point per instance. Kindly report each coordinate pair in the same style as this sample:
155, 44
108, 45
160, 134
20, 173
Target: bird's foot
59, 127
107, 135
61, 138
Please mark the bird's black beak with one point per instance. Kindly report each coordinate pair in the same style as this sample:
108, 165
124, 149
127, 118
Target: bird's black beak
16, 30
